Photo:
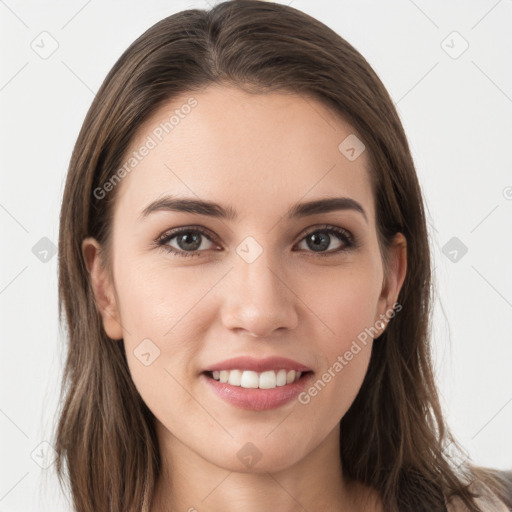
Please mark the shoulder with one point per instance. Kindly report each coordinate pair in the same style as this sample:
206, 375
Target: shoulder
488, 500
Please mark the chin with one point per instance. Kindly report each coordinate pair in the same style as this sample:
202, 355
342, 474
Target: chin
268, 464
258, 456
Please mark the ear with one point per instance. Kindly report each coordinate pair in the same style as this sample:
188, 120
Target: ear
103, 289
393, 280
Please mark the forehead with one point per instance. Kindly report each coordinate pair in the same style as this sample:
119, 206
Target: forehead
252, 152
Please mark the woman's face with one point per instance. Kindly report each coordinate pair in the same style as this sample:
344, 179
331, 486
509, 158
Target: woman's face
261, 272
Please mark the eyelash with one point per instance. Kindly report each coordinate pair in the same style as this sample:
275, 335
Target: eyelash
344, 236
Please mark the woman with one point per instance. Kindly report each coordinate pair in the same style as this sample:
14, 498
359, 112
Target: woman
245, 274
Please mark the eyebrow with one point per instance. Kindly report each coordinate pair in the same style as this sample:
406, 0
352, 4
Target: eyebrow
203, 207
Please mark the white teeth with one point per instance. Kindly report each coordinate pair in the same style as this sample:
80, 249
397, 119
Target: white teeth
249, 379
235, 377
281, 378
268, 380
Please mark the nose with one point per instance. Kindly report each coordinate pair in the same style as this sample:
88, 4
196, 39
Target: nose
258, 299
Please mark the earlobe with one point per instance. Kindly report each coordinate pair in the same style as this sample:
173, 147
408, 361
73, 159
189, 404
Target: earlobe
397, 267
103, 289
394, 278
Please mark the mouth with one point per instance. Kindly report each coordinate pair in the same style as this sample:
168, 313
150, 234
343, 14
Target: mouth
250, 379
257, 384
248, 390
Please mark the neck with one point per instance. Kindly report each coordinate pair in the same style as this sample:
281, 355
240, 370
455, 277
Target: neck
189, 482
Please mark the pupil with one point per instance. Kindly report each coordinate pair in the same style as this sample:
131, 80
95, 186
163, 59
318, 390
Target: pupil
319, 241
191, 241
194, 241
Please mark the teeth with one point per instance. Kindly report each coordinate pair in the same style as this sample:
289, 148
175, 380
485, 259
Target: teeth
235, 377
248, 379
264, 380
281, 377
268, 380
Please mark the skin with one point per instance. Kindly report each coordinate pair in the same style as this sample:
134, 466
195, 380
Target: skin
257, 154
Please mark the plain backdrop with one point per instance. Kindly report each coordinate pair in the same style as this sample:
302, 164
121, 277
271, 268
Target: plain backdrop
447, 68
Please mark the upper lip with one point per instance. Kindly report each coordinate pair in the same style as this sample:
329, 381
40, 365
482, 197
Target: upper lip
258, 365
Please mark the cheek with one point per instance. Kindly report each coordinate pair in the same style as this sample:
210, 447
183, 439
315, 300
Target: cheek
346, 302
345, 356
166, 312
156, 301
153, 310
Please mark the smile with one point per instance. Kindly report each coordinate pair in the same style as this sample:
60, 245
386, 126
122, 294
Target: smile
251, 380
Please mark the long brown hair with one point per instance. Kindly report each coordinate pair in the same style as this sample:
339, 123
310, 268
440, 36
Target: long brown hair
393, 437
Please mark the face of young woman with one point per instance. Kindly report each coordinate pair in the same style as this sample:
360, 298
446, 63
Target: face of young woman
254, 290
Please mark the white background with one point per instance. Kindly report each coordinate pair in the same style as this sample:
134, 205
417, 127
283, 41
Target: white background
457, 116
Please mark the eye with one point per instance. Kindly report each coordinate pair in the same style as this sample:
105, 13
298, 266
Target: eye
322, 237
191, 241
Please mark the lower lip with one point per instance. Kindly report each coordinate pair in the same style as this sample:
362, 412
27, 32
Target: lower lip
256, 399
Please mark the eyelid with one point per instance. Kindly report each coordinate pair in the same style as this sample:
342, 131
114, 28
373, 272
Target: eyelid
161, 240
176, 231
328, 227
